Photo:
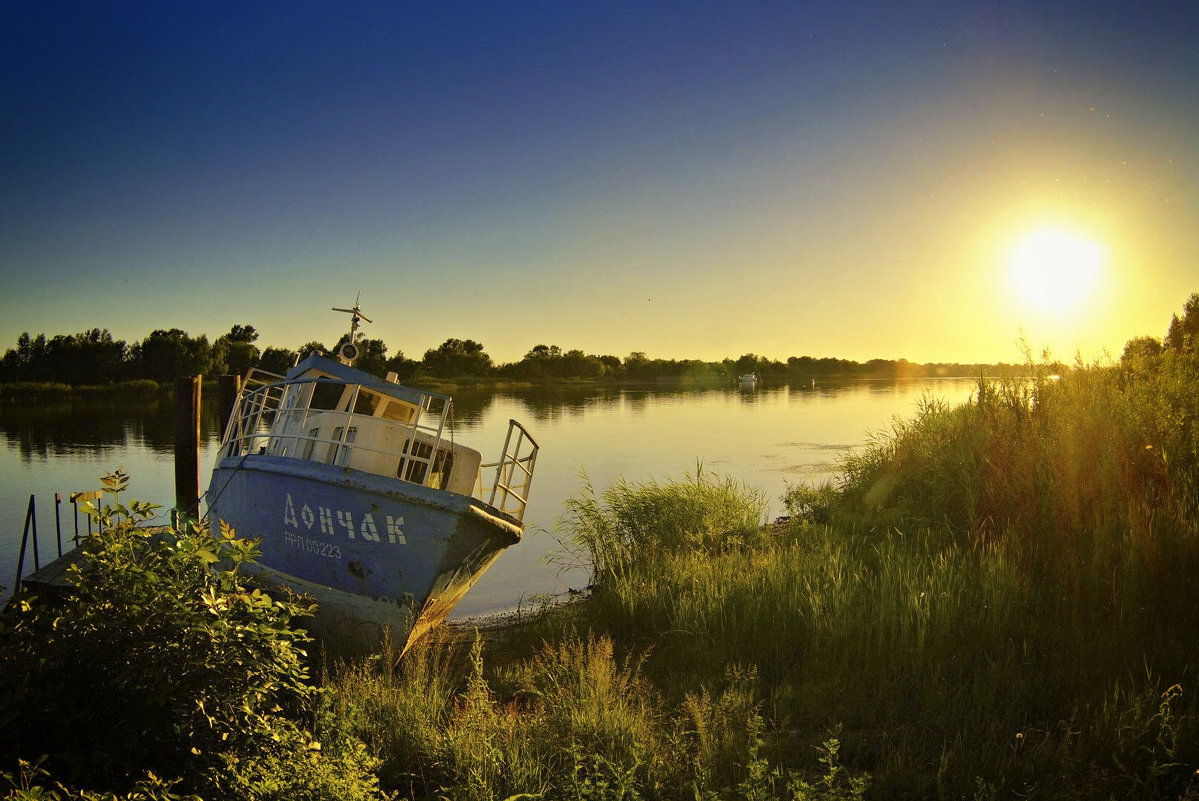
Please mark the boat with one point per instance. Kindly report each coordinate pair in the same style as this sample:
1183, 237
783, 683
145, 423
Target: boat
362, 497
748, 381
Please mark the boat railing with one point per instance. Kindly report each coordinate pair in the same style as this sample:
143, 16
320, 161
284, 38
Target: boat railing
256, 377
277, 418
509, 491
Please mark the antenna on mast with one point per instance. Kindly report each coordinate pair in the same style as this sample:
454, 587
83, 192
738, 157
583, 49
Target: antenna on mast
348, 353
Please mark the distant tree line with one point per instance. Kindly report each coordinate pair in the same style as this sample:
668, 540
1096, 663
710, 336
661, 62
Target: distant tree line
95, 358
1182, 336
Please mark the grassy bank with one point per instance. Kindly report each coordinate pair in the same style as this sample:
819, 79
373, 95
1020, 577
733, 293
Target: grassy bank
42, 391
993, 601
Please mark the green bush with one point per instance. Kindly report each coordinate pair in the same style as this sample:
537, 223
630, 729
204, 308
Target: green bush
163, 661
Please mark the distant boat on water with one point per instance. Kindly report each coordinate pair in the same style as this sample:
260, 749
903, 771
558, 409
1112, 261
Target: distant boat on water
748, 381
363, 498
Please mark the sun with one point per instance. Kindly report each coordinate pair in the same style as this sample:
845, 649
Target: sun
1055, 270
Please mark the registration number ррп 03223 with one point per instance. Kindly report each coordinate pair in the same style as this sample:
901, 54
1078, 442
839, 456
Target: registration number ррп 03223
326, 549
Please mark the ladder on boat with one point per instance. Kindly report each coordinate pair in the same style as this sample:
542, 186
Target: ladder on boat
513, 473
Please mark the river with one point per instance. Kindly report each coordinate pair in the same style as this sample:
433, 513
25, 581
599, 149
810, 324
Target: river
769, 438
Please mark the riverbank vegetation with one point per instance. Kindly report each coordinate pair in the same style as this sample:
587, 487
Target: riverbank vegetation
43, 391
992, 601
94, 357
163, 676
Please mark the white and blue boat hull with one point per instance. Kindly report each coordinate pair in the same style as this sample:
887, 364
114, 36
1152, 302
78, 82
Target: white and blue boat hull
373, 552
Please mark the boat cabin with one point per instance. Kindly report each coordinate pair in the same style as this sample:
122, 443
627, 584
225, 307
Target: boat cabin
328, 412
374, 426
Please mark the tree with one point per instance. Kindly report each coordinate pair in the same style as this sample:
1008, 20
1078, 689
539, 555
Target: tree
402, 366
167, 355
1141, 349
1174, 334
1190, 324
235, 352
549, 361
636, 365
456, 358
242, 333
577, 364
309, 348
1183, 334
543, 352
89, 357
540, 361
372, 354
277, 360
28, 362
748, 363
611, 364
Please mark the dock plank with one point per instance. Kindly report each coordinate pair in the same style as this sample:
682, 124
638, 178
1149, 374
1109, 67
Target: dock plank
53, 577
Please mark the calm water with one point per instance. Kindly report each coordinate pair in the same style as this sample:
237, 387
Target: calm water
768, 438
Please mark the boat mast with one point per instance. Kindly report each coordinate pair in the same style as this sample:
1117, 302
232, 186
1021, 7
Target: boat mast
348, 352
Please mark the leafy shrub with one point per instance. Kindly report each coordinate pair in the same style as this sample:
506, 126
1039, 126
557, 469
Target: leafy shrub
811, 504
163, 661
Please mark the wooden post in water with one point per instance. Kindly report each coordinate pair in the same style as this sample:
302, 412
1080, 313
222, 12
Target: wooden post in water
227, 391
187, 446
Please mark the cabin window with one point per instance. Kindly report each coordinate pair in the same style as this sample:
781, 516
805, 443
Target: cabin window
291, 397
410, 468
325, 395
340, 450
399, 411
313, 433
367, 403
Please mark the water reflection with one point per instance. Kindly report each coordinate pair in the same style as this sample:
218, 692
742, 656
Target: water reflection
91, 425
770, 438
83, 426
546, 404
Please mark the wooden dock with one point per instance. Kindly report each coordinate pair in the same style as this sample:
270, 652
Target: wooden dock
52, 578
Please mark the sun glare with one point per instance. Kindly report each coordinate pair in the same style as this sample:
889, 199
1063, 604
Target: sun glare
1055, 270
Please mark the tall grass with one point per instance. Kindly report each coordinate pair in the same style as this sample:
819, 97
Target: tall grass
629, 523
575, 719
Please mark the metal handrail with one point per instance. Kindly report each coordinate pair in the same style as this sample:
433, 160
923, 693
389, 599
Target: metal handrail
262, 422
30, 516
260, 418
30, 533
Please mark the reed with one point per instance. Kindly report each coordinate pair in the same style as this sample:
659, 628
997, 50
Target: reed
400, 707
629, 523
41, 391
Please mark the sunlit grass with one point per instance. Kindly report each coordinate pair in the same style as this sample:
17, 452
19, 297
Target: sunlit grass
992, 601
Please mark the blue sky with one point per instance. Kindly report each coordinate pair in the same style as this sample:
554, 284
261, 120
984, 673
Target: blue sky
689, 180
